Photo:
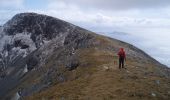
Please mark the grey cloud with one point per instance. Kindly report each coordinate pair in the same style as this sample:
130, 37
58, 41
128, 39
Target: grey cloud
119, 4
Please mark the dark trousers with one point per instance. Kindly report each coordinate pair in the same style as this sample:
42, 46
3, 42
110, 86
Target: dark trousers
121, 62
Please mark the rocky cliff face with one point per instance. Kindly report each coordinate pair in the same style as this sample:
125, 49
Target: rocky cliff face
39, 52
29, 39
26, 32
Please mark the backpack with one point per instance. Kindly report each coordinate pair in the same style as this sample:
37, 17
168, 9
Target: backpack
121, 54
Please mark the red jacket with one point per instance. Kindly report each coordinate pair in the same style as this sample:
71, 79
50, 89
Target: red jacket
121, 53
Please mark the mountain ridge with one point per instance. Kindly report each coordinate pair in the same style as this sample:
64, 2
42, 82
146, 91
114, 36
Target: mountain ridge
43, 52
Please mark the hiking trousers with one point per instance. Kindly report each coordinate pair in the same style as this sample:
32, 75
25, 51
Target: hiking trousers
121, 62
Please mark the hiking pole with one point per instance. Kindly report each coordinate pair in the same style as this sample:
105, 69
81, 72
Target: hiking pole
125, 64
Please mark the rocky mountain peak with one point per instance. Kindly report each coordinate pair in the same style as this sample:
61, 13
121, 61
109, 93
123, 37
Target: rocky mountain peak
26, 32
40, 26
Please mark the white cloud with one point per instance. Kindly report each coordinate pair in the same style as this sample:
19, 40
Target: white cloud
91, 15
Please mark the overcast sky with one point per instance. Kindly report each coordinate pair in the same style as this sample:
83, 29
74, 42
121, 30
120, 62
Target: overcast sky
97, 15
148, 19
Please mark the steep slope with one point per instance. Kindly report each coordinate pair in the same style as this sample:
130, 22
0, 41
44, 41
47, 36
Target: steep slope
46, 58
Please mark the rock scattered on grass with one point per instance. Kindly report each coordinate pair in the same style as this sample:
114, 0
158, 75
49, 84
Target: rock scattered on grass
153, 94
157, 82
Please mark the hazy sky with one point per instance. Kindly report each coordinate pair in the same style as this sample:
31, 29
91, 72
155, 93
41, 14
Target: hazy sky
148, 19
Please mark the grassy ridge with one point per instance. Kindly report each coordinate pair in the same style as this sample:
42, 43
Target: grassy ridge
98, 78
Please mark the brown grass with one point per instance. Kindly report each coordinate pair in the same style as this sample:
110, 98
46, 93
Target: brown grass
98, 78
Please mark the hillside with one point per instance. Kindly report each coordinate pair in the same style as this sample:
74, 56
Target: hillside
45, 58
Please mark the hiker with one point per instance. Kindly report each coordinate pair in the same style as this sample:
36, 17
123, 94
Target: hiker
122, 58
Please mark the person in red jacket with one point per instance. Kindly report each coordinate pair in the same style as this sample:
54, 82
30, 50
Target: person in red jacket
122, 58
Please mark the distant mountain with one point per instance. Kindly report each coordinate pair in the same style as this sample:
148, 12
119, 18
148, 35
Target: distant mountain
42, 57
126, 37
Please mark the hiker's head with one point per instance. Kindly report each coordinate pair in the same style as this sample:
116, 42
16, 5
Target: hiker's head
121, 49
